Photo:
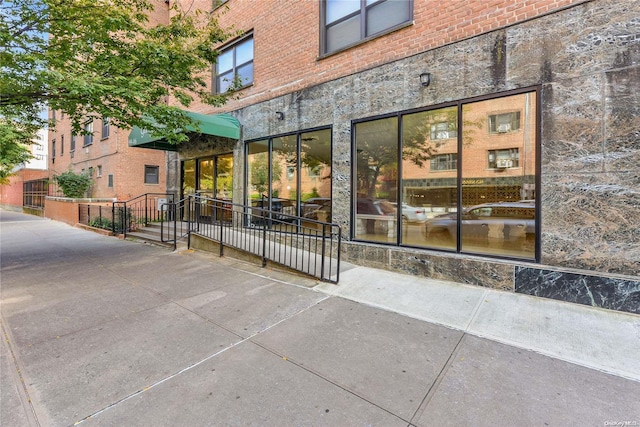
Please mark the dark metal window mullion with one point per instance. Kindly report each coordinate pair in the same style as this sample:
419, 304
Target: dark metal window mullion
298, 174
459, 181
400, 195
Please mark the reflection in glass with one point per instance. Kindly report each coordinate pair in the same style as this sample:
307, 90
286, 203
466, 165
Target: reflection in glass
315, 175
284, 168
257, 170
498, 177
205, 177
377, 177
224, 176
292, 183
188, 177
429, 178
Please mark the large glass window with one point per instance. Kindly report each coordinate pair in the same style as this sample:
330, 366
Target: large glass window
291, 174
347, 22
466, 183
224, 177
376, 162
209, 176
498, 208
429, 172
234, 66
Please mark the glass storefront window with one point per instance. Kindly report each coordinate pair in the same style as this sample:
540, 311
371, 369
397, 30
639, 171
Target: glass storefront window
498, 177
376, 161
468, 177
224, 177
429, 174
188, 177
292, 174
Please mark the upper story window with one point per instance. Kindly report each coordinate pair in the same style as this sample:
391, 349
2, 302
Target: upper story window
443, 130
234, 67
88, 137
503, 123
347, 22
105, 127
444, 162
504, 159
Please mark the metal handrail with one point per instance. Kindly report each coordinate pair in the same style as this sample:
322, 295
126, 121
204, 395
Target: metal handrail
138, 211
303, 244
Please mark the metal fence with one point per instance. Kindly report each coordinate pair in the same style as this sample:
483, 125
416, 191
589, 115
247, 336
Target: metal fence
309, 246
34, 193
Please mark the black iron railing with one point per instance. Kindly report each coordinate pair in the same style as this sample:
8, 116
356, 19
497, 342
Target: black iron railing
306, 245
138, 212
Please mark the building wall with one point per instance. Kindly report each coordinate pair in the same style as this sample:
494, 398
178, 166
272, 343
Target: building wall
585, 60
286, 37
112, 155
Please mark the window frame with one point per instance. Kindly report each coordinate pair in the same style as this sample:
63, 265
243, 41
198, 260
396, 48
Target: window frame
234, 68
362, 11
88, 137
106, 129
156, 168
460, 180
494, 123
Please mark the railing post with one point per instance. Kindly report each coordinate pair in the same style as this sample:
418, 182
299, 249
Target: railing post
189, 222
221, 228
175, 228
324, 248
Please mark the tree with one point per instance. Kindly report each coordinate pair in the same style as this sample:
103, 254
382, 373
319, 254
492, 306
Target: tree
14, 148
92, 59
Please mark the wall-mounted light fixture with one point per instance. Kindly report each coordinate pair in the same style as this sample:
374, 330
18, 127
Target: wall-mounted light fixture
279, 115
425, 79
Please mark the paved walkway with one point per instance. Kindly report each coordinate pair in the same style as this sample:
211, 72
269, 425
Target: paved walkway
100, 331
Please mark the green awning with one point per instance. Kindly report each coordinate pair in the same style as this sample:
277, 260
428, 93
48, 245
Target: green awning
224, 125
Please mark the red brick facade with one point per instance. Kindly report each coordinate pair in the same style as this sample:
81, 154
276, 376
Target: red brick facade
287, 56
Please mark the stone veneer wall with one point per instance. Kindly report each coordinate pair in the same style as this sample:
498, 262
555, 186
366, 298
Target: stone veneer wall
586, 59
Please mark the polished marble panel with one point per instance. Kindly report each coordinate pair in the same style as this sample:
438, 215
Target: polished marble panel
597, 291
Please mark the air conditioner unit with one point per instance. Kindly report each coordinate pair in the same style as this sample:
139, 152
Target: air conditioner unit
504, 128
504, 163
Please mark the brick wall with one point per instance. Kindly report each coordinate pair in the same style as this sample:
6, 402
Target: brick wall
11, 194
287, 38
112, 155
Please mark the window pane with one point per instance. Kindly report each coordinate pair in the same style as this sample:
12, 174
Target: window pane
257, 170
498, 198
151, 174
244, 52
377, 175
224, 176
315, 175
205, 177
387, 14
343, 34
245, 73
225, 61
224, 82
336, 9
188, 177
429, 178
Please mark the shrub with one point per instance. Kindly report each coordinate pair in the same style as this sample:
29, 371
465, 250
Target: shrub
101, 222
72, 184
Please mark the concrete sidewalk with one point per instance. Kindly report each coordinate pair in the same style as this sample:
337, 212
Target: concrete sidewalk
99, 331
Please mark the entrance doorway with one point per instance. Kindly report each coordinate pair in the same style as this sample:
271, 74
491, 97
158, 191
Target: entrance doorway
209, 176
